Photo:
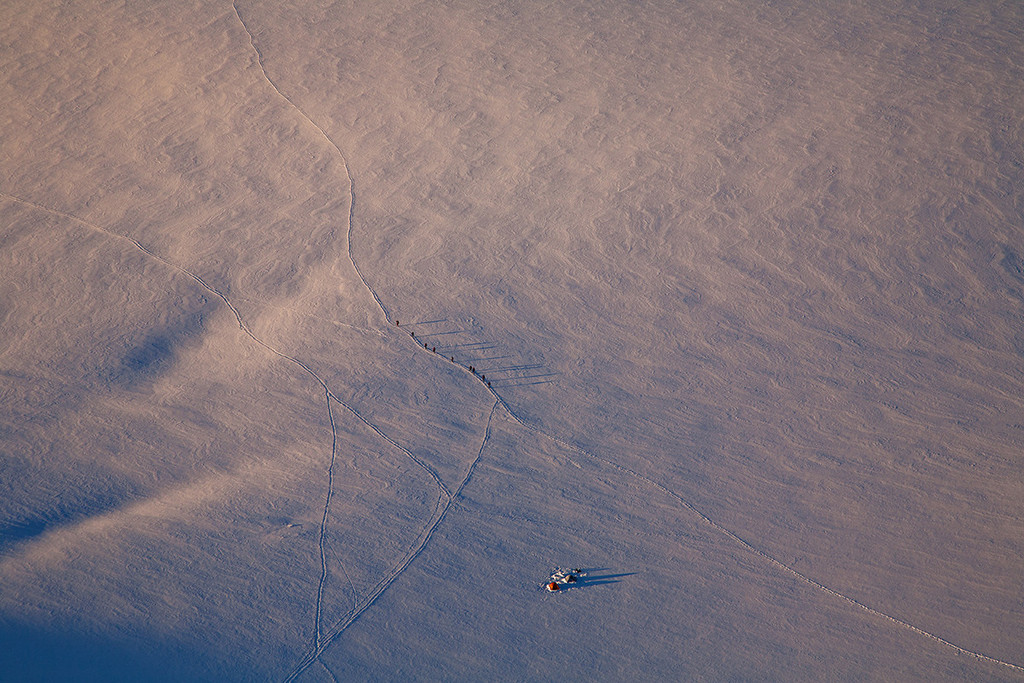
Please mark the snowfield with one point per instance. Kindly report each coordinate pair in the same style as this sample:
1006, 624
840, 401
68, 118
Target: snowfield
328, 329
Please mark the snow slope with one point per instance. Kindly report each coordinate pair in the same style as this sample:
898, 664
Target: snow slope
745, 279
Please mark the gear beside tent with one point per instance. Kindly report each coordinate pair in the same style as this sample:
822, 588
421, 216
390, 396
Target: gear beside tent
562, 577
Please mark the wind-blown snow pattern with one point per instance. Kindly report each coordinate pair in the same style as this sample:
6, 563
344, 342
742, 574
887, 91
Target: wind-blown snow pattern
718, 303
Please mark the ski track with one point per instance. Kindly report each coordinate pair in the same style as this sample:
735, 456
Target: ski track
341, 155
424, 538
323, 527
329, 672
443, 491
323, 640
782, 566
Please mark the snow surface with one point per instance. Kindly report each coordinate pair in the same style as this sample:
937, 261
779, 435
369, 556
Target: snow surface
746, 279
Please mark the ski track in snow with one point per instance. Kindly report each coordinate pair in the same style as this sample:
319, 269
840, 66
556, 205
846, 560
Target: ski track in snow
329, 672
442, 489
323, 528
330, 141
396, 571
782, 566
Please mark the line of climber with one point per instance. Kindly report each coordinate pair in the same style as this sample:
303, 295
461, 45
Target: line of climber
433, 349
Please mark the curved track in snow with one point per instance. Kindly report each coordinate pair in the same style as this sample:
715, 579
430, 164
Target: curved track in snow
341, 155
323, 526
314, 655
443, 492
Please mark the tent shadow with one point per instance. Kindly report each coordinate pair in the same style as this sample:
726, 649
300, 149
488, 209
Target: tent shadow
589, 578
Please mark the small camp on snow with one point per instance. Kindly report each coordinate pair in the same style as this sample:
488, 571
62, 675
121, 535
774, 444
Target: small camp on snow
560, 578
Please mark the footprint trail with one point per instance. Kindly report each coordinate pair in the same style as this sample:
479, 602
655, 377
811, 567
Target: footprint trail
313, 656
